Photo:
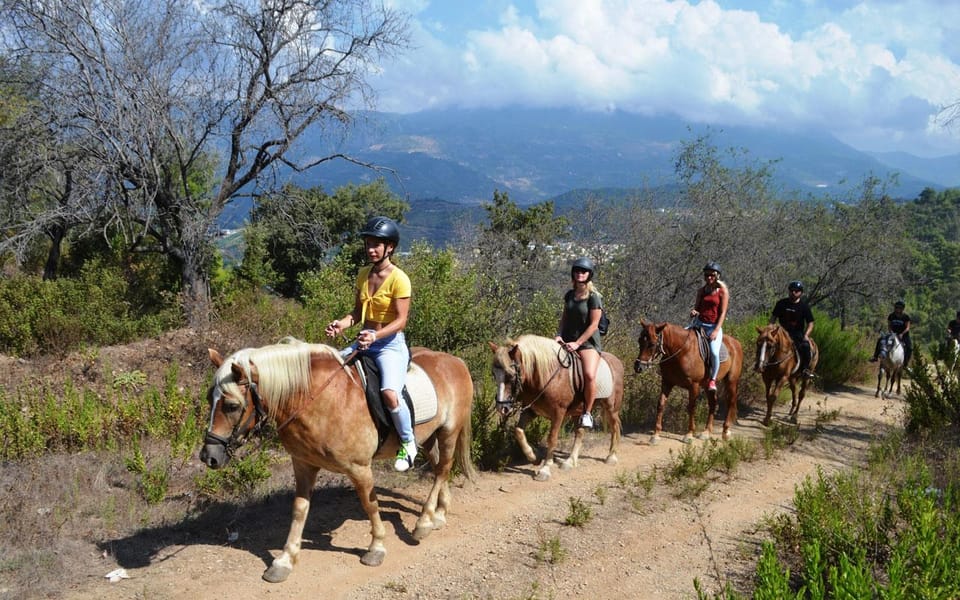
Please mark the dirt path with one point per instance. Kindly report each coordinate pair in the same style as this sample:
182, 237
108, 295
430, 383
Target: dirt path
634, 546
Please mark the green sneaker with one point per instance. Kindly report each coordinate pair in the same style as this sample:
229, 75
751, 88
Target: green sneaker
405, 456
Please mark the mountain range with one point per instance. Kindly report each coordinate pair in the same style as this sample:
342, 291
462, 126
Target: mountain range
446, 163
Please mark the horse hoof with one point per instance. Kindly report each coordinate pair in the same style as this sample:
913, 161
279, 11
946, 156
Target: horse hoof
542, 476
703, 435
687, 439
654, 440
612, 460
794, 418
766, 422
727, 435
277, 574
373, 558
566, 465
421, 532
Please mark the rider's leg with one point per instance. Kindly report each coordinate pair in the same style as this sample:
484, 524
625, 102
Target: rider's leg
715, 358
591, 363
392, 359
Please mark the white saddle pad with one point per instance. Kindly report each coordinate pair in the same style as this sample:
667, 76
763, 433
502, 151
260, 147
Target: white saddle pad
604, 379
422, 393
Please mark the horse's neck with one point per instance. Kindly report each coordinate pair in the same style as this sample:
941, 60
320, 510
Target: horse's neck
676, 337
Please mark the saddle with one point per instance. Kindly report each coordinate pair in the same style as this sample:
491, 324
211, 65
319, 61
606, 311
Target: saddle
703, 343
369, 374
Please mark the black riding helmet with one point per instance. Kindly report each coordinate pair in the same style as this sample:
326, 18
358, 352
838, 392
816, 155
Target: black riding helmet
712, 266
795, 285
584, 264
383, 228
899, 303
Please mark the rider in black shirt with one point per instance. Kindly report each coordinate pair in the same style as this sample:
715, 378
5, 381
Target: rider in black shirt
796, 318
899, 323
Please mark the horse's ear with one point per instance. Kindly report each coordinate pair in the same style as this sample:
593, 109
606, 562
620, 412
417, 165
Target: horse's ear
239, 375
660, 327
254, 372
493, 347
215, 357
514, 351
759, 329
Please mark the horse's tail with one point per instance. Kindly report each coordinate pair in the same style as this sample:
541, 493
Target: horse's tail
461, 454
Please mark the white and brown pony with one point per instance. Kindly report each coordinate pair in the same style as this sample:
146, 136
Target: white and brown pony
778, 363
891, 362
535, 376
323, 422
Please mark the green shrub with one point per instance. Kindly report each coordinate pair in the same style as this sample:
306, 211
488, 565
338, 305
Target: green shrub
842, 358
59, 316
933, 397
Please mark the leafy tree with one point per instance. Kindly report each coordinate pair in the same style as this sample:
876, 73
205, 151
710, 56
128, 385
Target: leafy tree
300, 229
183, 107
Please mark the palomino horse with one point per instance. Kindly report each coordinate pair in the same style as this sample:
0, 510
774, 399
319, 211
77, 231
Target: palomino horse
778, 363
539, 376
323, 421
891, 363
676, 351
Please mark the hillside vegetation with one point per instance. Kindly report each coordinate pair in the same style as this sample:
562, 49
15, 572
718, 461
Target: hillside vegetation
105, 386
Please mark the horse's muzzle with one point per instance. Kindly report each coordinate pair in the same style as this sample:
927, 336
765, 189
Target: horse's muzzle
214, 453
639, 366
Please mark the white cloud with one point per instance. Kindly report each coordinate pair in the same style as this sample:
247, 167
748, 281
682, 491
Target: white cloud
873, 74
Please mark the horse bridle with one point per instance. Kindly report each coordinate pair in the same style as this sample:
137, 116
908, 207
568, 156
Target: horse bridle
252, 424
659, 352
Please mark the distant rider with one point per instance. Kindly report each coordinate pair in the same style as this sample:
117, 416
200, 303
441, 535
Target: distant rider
796, 318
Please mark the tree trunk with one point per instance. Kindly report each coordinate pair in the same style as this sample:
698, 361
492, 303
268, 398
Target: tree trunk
56, 233
195, 294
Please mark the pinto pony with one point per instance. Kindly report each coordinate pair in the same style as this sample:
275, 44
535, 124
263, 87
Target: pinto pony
323, 422
537, 377
778, 363
676, 352
891, 362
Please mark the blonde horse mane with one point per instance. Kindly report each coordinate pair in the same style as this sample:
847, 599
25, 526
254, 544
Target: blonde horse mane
283, 368
540, 353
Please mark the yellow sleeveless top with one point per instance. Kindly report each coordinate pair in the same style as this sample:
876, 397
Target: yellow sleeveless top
380, 306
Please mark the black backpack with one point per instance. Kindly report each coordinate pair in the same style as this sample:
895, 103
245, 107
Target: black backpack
604, 323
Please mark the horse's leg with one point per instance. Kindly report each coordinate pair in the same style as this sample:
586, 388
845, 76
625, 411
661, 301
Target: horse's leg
712, 399
661, 405
433, 512
731, 418
612, 417
692, 394
794, 403
521, 437
879, 379
556, 420
771, 395
282, 566
574, 458
362, 477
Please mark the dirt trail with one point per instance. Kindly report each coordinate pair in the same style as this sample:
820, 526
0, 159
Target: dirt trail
651, 547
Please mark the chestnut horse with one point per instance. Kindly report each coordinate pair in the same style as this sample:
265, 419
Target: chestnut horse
891, 363
676, 351
323, 422
778, 363
538, 375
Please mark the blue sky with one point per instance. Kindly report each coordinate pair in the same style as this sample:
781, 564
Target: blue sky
875, 74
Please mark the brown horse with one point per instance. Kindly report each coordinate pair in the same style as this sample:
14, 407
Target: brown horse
778, 363
320, 410
539, 376
676, 351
